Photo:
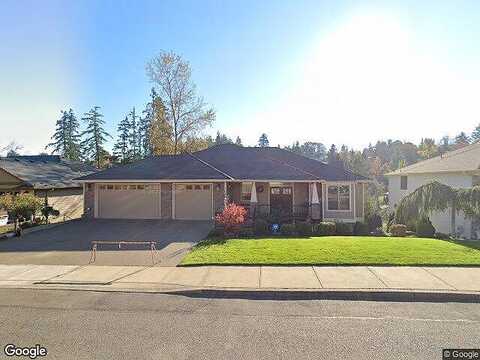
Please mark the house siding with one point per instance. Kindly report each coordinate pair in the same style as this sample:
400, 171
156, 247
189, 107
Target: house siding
359, 208
346, 216
218, 197
440, 220
89, 201
166, 200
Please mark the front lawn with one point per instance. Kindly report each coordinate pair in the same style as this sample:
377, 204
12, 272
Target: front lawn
335, 250
6, 228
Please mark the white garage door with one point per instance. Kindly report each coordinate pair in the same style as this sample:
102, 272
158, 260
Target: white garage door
193, 201
129, 201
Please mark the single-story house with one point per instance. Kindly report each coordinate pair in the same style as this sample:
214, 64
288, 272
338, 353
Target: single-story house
197, 186
47, 176
458, 169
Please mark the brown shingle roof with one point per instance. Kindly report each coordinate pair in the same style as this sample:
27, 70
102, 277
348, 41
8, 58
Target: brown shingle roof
464, 159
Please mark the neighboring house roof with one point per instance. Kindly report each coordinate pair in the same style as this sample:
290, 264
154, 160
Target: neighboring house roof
228, 162
465, 159
45, 171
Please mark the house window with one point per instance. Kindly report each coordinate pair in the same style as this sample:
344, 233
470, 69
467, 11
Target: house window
206, 187
246, 191
403, 182
339, 197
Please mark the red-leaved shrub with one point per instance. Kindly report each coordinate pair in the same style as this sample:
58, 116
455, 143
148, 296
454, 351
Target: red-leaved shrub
232, 216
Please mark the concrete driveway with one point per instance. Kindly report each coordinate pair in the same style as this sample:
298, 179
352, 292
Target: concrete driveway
70, 243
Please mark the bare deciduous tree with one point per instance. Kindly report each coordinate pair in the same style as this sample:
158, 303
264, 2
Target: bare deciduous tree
186, 112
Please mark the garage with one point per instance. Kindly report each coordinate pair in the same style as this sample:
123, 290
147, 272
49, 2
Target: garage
129, 201
193, 201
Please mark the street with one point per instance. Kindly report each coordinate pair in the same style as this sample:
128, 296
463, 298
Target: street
88, 325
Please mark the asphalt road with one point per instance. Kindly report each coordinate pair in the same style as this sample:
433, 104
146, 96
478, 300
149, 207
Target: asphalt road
95, 325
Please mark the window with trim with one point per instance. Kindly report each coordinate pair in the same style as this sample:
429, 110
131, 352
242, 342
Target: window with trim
403, 182
246, 192
339, 197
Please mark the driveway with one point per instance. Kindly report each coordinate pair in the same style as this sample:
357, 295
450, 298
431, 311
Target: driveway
70, 243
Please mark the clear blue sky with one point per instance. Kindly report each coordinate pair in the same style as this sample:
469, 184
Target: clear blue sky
331, 71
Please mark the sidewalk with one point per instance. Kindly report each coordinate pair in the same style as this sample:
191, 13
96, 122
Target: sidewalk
252, 278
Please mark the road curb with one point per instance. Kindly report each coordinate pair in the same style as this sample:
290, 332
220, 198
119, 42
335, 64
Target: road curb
396, 295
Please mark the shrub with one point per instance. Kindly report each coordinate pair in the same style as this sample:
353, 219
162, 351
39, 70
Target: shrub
378, 232
399, 230
442, 236
344, 229
303, 228
288, 229
374, 221
231, 217
246, 233
261, 227
325, 228
360, 229
215, 233
425, 228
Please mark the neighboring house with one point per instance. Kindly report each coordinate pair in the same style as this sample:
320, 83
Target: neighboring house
458, 169
46, 176
196, 186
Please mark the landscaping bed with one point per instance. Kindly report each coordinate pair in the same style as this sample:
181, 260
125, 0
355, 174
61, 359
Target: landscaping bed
335, 250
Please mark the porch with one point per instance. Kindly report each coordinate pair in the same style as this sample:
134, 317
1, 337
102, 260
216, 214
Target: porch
283, 202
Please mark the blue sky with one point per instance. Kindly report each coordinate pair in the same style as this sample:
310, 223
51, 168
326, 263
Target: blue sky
331, 71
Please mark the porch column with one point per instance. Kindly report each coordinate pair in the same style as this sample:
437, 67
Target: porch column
225, 195
315, 205
253, 200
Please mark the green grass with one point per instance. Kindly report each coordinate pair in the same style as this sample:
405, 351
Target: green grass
6, 228
335, 250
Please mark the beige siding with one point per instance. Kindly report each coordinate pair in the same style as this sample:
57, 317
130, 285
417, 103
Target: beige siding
347, 216
300, 194
166, 199
359, 188
7, 181
218, 197
89, 201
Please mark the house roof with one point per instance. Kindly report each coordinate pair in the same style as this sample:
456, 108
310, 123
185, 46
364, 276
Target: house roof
45, 171
227, 162
465, 159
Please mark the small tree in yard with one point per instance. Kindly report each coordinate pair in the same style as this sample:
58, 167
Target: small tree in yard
20, 207
232, 216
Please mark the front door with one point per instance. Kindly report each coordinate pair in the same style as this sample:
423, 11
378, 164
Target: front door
281, 201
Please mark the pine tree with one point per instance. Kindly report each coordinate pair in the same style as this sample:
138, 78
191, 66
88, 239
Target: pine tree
476, 134
238, 141
263, 140
461, 140
60, 138
145, 124
134, 138
121, 148
73, 137
95, 137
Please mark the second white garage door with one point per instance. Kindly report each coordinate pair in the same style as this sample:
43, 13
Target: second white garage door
129, 201
193, 201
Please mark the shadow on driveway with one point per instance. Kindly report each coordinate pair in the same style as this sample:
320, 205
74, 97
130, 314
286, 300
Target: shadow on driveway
70, 243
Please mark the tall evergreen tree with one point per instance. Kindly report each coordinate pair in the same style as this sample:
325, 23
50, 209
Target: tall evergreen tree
134, 139
145, 124
95, 137
73, 137
461, 140
476, 134
121, 148
59, 144
263, 140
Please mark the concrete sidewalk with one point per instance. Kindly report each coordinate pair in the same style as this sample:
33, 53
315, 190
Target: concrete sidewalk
125, 278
